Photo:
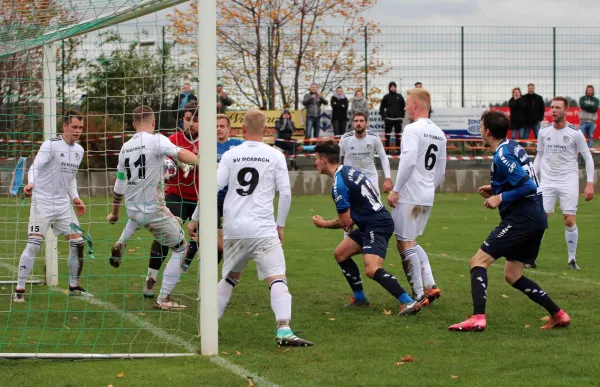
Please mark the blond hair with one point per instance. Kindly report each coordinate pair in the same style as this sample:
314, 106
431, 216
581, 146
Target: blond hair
143, 114
255, 121
224, 117
422, 96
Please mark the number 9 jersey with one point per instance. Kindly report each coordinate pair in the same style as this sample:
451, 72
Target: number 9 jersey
253, 171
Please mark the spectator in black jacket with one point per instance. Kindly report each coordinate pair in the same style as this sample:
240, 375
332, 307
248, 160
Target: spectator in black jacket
517, 115
534, 109
284, 129
339, 112
179, 102
392, 113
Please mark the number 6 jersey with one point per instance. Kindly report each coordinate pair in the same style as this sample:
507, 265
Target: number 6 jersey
141, 160
253, 171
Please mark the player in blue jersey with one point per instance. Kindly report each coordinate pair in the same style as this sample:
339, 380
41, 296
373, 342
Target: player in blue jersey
357, 203
514, 191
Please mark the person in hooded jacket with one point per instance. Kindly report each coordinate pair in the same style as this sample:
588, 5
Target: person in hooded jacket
588, 114
359, 104
392, 113
339, 112
284, 129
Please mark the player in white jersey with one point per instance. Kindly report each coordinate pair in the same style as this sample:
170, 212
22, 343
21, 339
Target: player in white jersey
556, 164
254, 171
51, 181
421, 170
140, 180
358, 149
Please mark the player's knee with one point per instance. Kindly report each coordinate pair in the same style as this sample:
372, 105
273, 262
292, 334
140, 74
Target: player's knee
234, 275
76, 247
34, 243
370, 270
569, 220
340, 255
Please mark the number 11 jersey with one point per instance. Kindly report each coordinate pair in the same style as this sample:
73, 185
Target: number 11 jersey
253, 171
141, 160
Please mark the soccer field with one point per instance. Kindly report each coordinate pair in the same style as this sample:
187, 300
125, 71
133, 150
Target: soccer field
352, 347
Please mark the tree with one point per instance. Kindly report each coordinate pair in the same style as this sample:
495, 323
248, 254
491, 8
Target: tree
271, 49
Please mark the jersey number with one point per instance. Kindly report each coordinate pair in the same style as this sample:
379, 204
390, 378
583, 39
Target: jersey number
373, 199
140, 163
531, 173
430, 157
244, 182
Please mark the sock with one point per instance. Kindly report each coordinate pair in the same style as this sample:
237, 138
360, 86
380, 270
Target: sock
172, 272
397, 143
224, 290
535, 294
387, 140
479, 282
27, 259
191, 252
158, 254
152, 273
412, 268
391, 284
426, 273
75, 261
352, 274
281, 303
571, 236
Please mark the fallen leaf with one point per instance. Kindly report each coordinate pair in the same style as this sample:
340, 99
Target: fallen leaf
565, 274
391, 264
247, 312
250, 384
66, 327
225, 353
444, 255
430, 342
331, 319
256, 314
407, 358
238, 353
110, 385
283, 350
142, 314
326, 312
453, 377
545, 318
445, 228
3, 288
387, 312
462, 276
527, 326
65, 291
74, 317
121, 374
399, 363
128, 295
34, 342
137, 247
131, 250
505, 296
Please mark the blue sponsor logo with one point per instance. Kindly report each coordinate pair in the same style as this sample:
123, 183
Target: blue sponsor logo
473, 126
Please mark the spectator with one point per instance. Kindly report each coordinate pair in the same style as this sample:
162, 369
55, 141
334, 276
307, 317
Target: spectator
223, 100
392, 113
588, 114
534, 109
284, 129
360, 104
313, 101
339, 112
517, 115
179, 102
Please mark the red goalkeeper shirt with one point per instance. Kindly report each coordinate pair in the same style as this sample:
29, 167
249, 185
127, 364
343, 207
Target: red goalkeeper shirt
185, 188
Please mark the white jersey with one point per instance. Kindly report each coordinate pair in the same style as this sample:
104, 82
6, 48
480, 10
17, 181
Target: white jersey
253, 171
424, 144
53, 172
359, 153
556, 163
142, 161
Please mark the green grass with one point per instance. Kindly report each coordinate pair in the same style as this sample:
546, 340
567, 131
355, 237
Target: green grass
353, 347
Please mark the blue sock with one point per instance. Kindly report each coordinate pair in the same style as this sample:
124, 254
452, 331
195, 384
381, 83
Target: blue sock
359, 295
282, 332
405, 298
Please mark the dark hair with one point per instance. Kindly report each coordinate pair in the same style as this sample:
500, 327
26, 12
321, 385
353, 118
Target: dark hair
496, 122
563, 99
418, 83
330, 150
530, 84
142, 114
361, 114
191, 107
71, 114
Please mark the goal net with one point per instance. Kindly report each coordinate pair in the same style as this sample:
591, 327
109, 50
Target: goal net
103, 58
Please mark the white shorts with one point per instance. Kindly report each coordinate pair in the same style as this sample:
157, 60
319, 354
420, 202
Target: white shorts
166, 230
568, 196
41, 217
266, 252
410, 220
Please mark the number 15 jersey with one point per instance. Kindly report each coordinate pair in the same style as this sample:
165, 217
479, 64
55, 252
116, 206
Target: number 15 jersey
253, 171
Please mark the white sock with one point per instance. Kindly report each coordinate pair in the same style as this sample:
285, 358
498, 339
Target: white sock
426, 273
281, 302
172, 273
412, 269
152, 273
571, 236
224, 290
27, 260
75, 261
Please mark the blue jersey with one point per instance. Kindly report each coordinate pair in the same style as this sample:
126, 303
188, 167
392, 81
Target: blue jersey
353, 191
223, 147
511, 169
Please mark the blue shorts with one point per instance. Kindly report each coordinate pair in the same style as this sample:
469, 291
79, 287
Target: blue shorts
514, 242
372, 241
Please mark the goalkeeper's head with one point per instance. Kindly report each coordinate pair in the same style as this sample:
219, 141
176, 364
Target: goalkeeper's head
143, 119
327, 154
190, 119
